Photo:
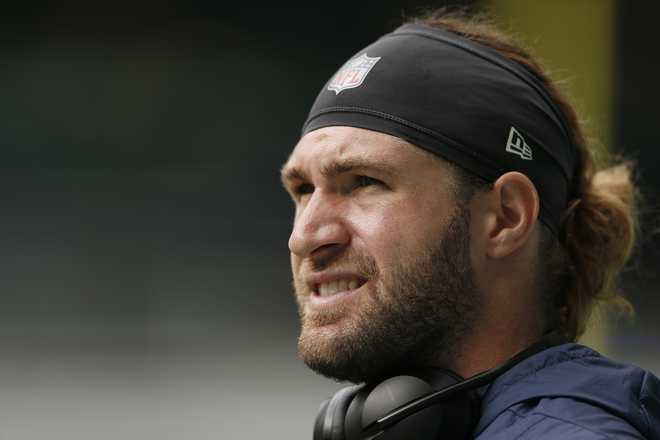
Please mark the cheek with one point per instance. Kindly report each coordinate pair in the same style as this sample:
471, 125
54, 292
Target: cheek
398, 230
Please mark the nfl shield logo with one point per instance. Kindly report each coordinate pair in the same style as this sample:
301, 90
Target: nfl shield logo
352, 74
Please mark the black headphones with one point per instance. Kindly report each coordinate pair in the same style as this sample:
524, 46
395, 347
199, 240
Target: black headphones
431, 404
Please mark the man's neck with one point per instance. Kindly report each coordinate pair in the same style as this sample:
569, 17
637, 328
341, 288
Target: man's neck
491, 346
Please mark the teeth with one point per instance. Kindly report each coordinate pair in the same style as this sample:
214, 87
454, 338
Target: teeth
327, 289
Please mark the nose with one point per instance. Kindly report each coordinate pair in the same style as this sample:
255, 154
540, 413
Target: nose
318, 224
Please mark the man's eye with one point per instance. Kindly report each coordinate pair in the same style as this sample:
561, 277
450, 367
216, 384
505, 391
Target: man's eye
304, 188
367, 181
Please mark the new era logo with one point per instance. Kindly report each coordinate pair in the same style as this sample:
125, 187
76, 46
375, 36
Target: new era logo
517, 145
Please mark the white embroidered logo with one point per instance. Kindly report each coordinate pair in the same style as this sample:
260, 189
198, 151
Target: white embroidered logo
517, 145
352, 74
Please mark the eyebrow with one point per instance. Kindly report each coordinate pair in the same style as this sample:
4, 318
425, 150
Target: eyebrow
291, 174
335, 168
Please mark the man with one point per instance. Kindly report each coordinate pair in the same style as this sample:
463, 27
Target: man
448, 217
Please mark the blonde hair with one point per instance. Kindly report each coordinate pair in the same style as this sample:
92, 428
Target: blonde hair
598, 227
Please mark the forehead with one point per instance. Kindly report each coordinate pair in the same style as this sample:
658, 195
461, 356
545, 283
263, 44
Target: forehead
321, 147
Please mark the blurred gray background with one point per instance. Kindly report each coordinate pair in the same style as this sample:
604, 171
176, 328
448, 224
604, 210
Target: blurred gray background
145, 281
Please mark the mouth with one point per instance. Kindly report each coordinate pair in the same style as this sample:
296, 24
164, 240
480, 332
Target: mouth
331, 292
325, 290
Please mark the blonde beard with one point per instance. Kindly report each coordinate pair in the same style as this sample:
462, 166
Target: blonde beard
415, 315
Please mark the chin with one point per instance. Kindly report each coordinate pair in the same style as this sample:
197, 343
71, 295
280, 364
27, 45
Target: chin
328, 351
336, 353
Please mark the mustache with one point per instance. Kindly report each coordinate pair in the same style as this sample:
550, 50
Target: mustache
348, 260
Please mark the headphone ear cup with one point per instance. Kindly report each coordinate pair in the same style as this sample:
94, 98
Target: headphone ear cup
353, 425
393, 393
331, 417
320, 420
453, 418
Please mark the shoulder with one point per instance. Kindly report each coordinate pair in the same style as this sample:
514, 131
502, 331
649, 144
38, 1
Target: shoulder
558, 418
571, 392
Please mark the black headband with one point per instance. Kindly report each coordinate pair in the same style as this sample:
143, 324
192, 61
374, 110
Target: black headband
460, 100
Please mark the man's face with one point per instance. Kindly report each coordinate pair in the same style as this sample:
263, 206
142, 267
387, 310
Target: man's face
379, 253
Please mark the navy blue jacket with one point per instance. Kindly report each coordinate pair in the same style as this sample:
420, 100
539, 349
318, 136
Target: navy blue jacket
571, 392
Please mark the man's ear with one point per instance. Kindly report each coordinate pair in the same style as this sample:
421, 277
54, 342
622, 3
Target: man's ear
515, 205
